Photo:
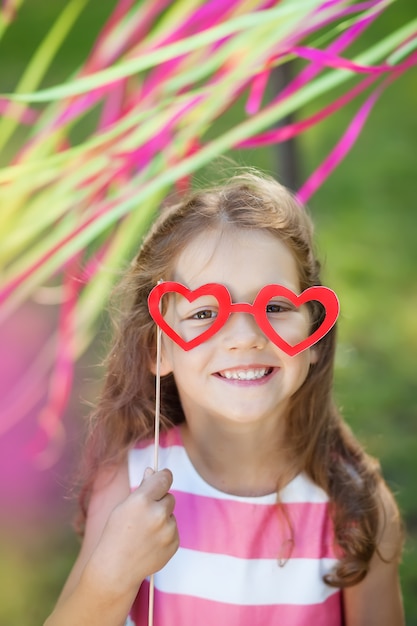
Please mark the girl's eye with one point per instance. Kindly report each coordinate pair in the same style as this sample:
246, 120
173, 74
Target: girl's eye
204, 314
277, 307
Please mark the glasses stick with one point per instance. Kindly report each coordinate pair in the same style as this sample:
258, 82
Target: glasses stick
156, 450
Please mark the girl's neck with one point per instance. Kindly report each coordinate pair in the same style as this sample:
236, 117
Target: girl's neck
242, 462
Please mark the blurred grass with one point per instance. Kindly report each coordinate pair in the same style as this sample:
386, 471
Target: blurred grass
366, 228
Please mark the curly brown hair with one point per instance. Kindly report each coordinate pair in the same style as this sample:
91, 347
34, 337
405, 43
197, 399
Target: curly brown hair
316, 434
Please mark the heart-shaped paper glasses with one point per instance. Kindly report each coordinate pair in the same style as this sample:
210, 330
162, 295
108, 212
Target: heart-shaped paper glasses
259, 309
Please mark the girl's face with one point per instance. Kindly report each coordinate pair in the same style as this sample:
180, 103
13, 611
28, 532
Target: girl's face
238, 375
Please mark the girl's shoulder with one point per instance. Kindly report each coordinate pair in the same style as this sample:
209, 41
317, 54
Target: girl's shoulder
110, 487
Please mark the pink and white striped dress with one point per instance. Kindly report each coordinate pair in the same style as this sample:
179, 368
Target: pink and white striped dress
237, 564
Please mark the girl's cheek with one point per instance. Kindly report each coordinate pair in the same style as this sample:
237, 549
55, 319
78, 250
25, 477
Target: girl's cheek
292, 330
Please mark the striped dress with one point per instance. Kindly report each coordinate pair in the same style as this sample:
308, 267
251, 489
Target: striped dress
239, 563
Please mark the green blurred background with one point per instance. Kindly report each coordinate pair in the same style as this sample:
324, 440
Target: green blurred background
366, 227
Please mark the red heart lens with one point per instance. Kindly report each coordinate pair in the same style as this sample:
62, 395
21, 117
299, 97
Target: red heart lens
220, 294
221, 306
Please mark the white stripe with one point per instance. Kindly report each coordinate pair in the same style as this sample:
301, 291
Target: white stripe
137, 461
186, 479
237, 581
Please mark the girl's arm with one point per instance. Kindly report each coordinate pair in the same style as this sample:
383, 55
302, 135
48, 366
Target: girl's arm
128, 536
377, 601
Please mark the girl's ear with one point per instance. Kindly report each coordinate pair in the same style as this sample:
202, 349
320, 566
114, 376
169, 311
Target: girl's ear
314, 355
165, 365
164, 369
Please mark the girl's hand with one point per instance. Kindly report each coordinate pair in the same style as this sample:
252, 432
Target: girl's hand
139, 537
128, 536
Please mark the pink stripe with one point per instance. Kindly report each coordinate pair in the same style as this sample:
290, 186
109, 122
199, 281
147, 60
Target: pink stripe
326, 59
339, 152
346, 38
291, 130
257, 91
137, 28
204, 524
189, 611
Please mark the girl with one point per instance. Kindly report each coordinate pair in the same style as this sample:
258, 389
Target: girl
279, 516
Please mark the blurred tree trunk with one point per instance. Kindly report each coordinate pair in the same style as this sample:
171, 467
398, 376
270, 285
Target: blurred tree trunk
288, 157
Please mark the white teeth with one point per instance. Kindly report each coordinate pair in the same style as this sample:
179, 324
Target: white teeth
245, 374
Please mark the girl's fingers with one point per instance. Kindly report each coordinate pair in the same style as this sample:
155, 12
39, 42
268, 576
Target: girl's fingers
156, 485
169, 501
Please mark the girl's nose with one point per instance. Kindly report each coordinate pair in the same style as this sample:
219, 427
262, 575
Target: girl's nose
241, 331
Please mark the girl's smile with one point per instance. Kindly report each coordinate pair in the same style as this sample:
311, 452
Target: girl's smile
238, 374
252, 374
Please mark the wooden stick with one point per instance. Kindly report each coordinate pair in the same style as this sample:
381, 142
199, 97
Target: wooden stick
156, 450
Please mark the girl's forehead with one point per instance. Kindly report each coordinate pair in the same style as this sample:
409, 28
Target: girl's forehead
236, 258
203, 249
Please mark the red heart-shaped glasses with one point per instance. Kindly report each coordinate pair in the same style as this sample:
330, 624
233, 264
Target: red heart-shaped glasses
325, 296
